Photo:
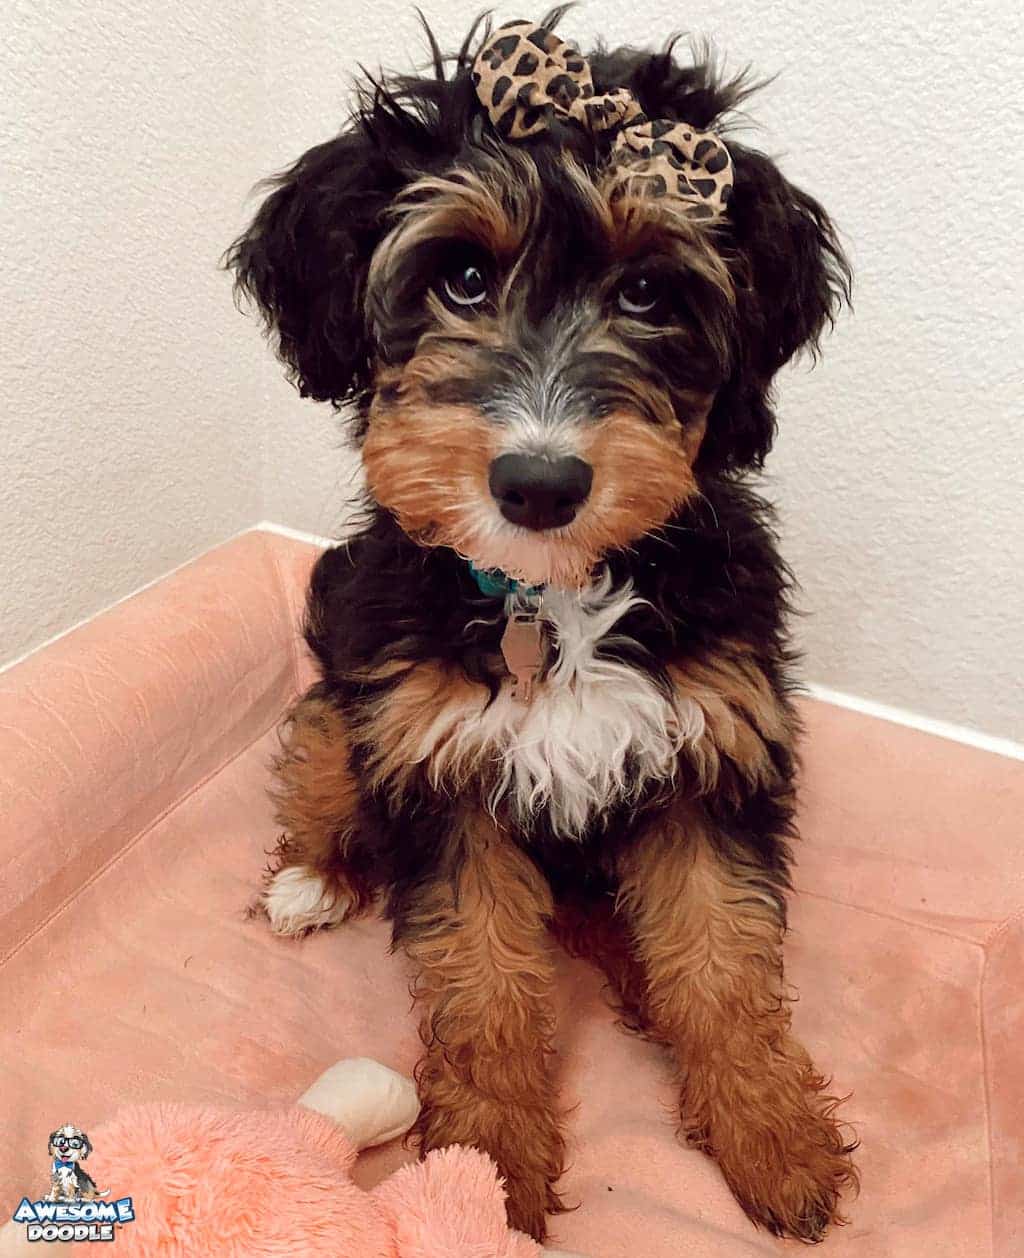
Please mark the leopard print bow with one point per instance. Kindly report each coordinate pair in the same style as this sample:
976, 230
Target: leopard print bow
525, 76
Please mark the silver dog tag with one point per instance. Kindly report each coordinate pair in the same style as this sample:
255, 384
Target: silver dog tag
522, 647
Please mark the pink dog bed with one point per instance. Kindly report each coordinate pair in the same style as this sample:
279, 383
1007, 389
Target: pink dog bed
133, 758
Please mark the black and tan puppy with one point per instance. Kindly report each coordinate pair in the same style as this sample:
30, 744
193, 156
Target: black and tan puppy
69, 1180
556, 299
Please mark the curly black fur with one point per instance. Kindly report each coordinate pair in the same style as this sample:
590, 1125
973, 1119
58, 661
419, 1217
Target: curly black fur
713, 584
305, 257
713, 575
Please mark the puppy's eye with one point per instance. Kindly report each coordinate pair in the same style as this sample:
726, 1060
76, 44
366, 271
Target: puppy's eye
465, 284
638, 295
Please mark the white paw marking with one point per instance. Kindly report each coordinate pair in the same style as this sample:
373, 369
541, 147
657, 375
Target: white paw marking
298, 900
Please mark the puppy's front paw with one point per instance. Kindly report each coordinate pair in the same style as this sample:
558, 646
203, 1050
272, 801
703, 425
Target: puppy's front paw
790, 1179
530, 1199
297, 900
525, 1144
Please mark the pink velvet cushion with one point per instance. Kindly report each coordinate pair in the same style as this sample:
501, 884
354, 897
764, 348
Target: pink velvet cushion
133, 767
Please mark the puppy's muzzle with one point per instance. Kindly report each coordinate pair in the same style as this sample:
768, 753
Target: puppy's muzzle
538, 493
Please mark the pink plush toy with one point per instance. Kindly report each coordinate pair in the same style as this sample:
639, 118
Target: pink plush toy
211, 1183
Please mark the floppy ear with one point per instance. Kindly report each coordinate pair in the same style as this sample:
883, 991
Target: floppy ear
305, 256
86, 1146
791, 277
304, 259
786, 261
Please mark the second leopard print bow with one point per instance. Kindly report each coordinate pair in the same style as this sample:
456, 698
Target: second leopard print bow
525, 75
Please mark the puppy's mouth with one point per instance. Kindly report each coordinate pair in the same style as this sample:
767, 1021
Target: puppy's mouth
554, 555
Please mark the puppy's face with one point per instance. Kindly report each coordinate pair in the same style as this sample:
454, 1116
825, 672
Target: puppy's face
549, 345
544, 363
69, 1144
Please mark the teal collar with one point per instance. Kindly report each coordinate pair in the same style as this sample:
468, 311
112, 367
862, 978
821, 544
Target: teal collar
496, 584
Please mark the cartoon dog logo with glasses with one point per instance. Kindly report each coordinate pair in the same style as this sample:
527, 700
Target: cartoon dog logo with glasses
69, 1181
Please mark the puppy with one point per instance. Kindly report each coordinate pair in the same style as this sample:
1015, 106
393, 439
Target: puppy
555, 694
69, 1181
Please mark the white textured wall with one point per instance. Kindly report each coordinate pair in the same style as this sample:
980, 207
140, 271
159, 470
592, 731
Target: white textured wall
131, 405
139, 410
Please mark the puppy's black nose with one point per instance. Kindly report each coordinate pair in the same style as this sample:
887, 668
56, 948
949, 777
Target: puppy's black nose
540, 493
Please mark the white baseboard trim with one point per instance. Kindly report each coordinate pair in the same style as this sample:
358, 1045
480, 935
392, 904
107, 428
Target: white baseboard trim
926, 724
296, 535
264, 526
139, 589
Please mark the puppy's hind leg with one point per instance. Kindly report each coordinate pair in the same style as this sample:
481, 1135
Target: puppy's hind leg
310, 884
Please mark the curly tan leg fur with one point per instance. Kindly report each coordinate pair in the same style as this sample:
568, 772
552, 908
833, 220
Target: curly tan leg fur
709, 930
308, 884
484, 980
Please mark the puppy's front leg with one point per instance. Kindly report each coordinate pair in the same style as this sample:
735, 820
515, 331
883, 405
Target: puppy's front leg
479, 940
708, 925
311, 883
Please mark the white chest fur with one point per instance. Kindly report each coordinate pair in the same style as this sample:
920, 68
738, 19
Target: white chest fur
595, 732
